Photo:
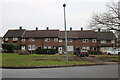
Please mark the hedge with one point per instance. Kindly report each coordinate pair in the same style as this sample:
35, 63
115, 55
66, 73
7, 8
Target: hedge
9, 48
45, 51
94, 52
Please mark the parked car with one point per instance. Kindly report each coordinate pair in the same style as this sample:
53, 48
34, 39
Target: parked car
82, 53
115, 52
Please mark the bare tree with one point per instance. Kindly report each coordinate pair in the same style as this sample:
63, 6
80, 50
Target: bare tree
107, 20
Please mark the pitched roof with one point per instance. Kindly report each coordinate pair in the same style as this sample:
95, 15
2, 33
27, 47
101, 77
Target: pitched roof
78, 34
70, 34
105, 35
41, 33
87, 34
14, 33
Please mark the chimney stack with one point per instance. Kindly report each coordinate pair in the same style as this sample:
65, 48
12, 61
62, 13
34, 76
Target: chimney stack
47, 28
20, 27
81, 28
98, 29
36, 28
70, 28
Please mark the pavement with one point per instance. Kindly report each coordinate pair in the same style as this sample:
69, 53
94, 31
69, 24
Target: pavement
96, 71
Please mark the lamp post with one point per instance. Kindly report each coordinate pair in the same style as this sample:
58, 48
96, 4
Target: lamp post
64, 5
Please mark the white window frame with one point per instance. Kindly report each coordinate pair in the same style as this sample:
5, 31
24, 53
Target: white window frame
112, 41
105, 49
6, 39
94, 40
49, 47
23, 39
86, 47
60, 40
85, 40
103, 41
55, 39
70, 48
45, 47
31, 47
70, 40
15, 38
31, 39
47, 39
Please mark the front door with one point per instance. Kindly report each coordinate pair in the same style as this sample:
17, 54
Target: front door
60, 50
22, 47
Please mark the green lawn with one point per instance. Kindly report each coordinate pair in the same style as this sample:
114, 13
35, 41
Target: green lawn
35, 60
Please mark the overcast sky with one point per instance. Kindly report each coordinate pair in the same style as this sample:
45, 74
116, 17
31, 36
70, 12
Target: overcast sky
48, 13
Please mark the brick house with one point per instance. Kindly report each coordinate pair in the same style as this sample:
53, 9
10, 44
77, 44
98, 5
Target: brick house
84, 39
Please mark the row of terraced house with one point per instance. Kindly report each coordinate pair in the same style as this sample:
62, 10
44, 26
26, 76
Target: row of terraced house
55, 39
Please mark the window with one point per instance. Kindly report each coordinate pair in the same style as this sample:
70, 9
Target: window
103, 41
70, 48
23, 40
85, 40
94, 40
31, 39
60, 40
31, 47
15, 39
112, 41
45, 47
86, 47
105, 49
49, 47
6, 39
47, 39
70, 40
56, 39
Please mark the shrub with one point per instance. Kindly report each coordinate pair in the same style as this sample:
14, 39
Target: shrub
94, 52
23, 52
45, 51
9, 48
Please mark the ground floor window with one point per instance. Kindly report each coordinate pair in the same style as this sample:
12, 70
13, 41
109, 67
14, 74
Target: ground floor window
47, 47
86, 47
105, 49
70, 48
31, 47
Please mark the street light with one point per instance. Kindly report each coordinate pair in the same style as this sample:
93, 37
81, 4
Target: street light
64, 5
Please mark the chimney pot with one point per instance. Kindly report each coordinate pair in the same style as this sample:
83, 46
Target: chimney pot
47, 28
70, 28
20, 27
81, 28
36, 28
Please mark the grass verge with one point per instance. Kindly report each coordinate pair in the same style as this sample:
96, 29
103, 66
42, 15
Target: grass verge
35, 60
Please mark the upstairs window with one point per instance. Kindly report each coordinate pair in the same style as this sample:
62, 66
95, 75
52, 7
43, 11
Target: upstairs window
15, 39
47, 39
31, 39
103, 41
6, 39
23, 40
94, 40
60, 40
56, 39
85, 40
112, 41
70, 40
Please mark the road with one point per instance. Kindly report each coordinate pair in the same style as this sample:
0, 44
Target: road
99, 71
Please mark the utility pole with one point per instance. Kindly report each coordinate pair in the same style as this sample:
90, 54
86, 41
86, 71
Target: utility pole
64, 5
